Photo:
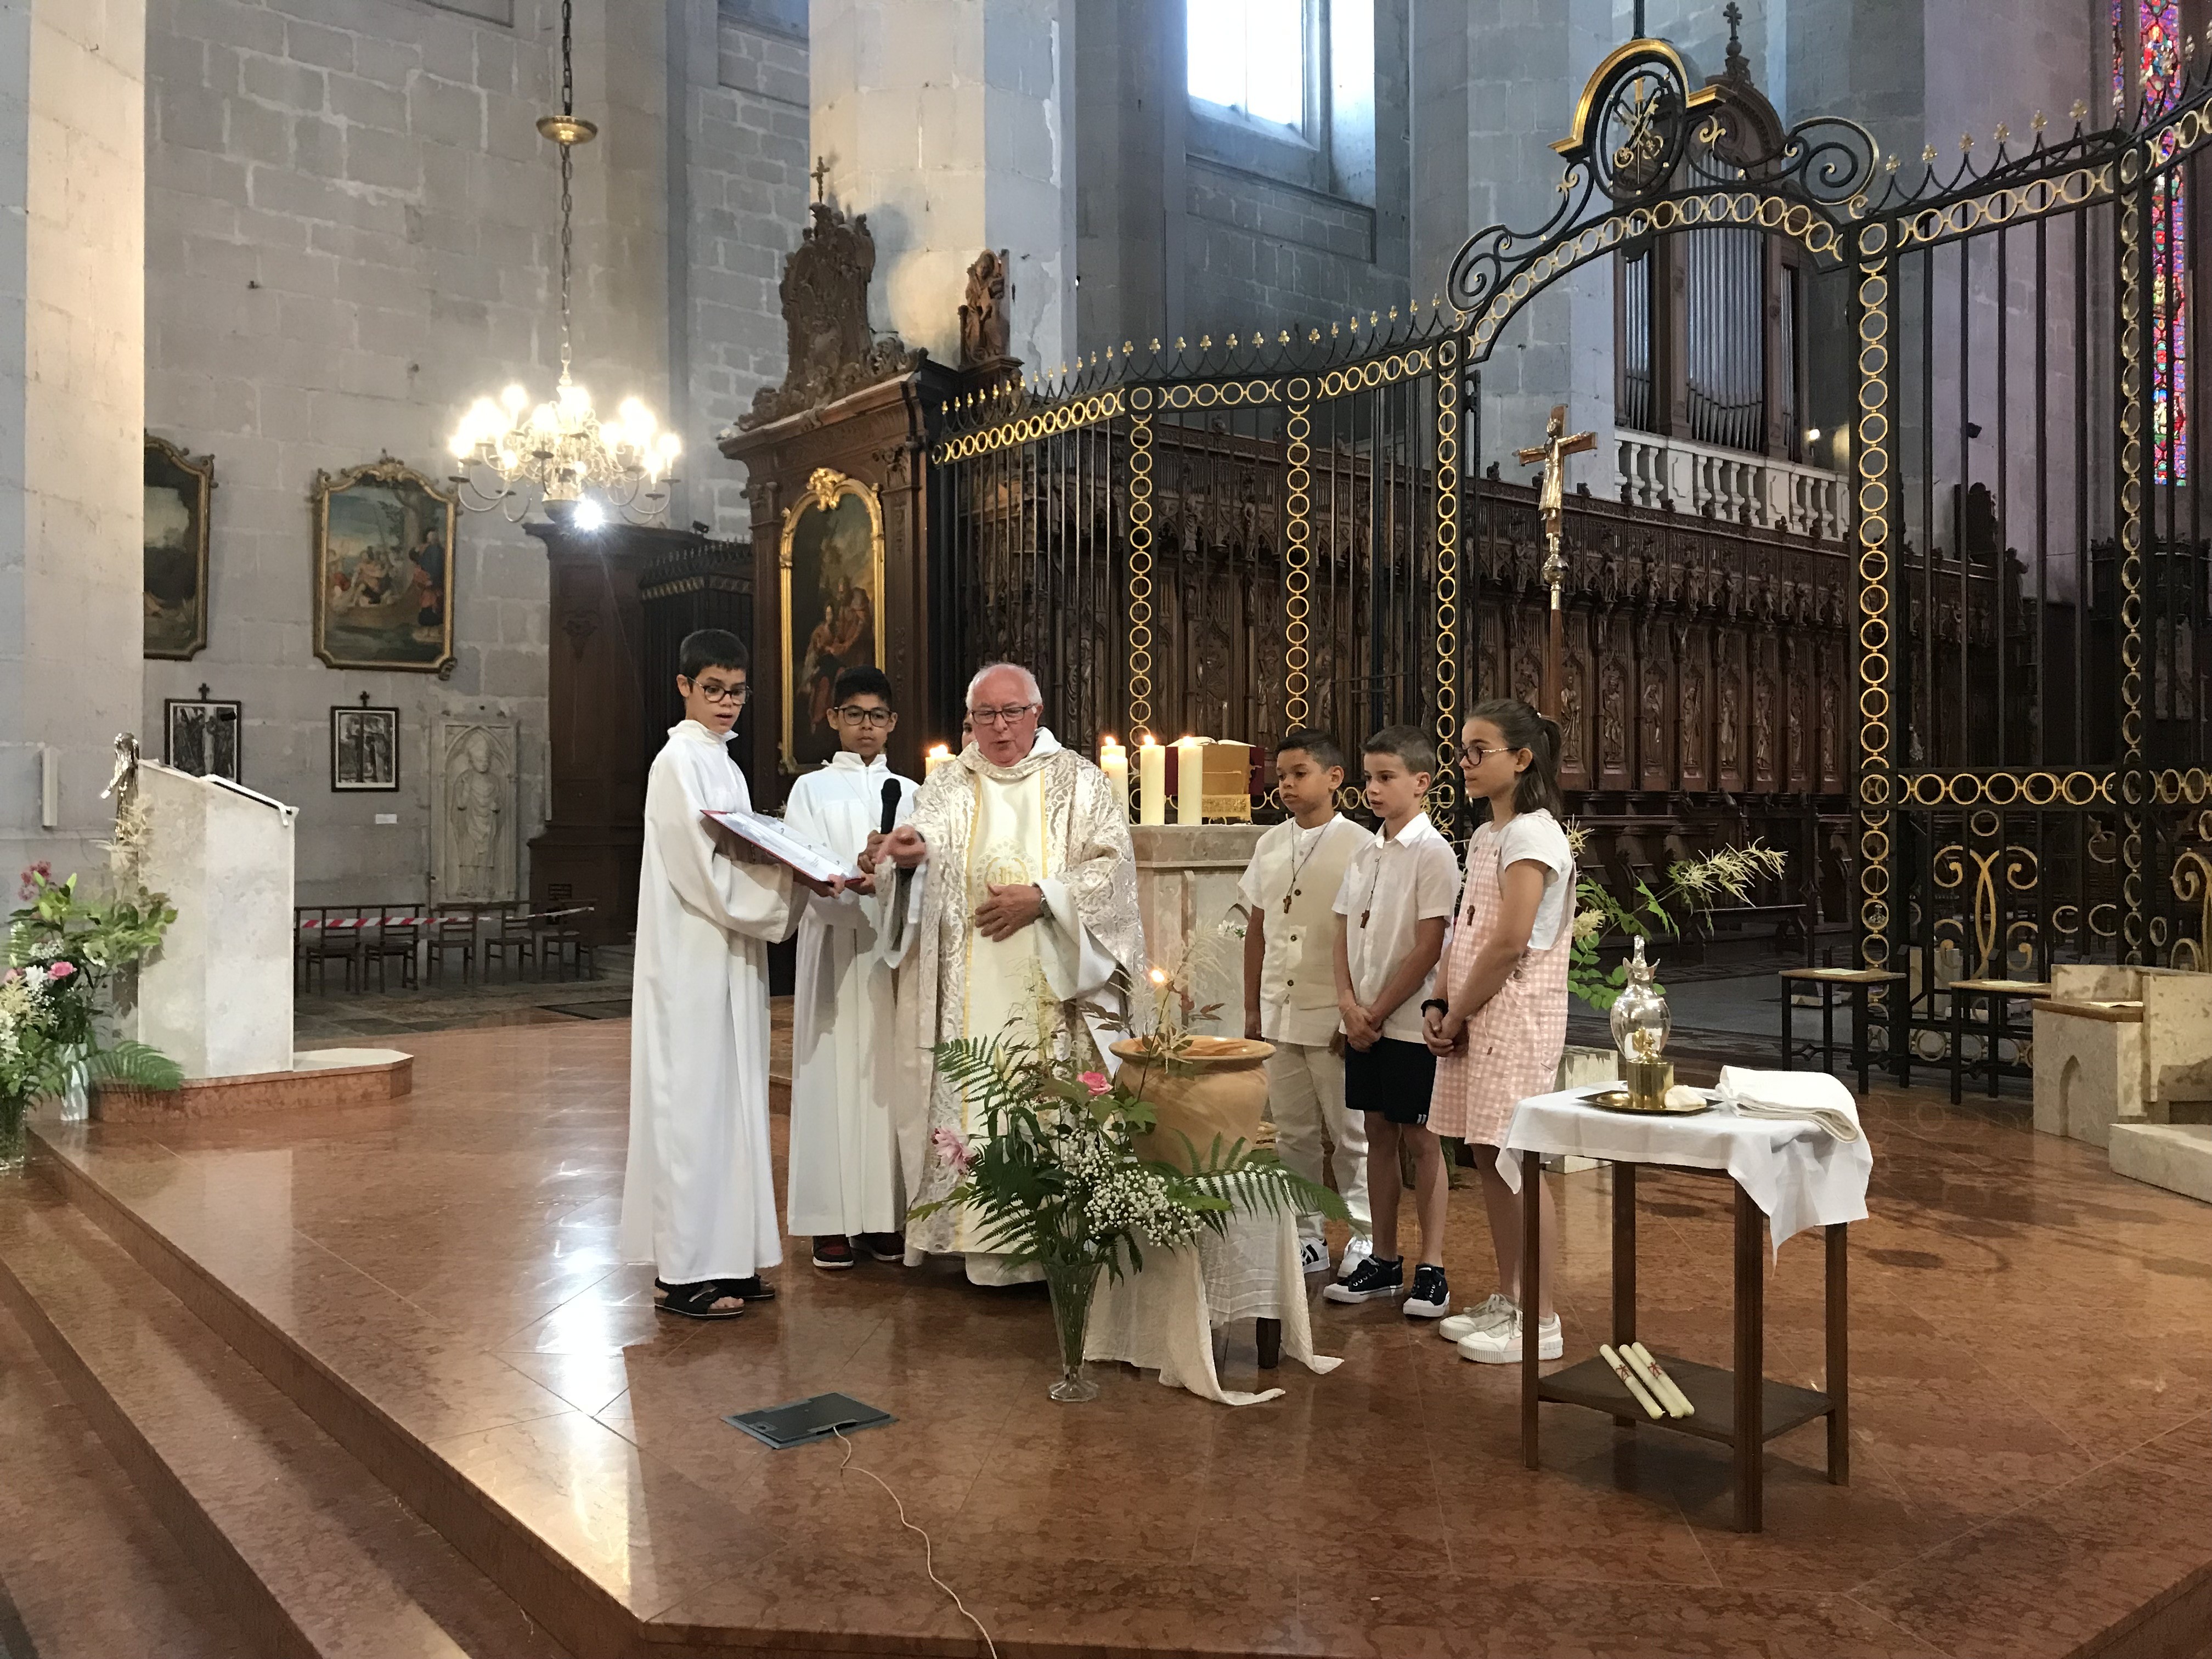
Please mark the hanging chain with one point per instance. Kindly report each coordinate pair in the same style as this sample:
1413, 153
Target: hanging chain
567, 241
568, 237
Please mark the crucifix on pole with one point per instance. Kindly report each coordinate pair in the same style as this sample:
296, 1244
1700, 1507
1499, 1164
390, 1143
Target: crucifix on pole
1558, 444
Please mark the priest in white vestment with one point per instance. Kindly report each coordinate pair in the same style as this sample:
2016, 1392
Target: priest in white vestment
699, 1193
1022, 905
849, 1096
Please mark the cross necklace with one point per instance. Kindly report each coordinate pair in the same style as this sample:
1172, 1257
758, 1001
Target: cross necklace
1298, 863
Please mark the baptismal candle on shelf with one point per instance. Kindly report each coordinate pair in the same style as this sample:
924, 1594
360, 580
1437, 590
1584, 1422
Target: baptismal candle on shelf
937, 755
1190, 780
1152, 778
1113, 762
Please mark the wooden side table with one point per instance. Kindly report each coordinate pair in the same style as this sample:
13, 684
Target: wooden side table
1858, 981
2000, 993
1739, 1407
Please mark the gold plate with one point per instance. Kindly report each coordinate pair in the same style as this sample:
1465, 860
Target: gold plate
1616, 1100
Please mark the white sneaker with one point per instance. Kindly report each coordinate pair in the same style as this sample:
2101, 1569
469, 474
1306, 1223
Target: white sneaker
1313, 1256
1356, 1252
1500, 1344
1499, 1310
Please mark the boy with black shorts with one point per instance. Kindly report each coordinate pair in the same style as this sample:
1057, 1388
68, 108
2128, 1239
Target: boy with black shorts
1397, 892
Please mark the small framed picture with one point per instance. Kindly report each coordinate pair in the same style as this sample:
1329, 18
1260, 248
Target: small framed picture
364, 747
203, 734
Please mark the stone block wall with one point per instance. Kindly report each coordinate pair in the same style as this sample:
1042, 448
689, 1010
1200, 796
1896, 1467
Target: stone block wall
71, 366
350, 234
746, 138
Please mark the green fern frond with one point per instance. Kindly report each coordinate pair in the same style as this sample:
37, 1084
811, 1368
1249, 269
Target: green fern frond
136, 1064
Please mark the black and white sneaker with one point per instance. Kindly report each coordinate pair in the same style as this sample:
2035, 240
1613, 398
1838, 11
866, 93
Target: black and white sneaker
1374, 1280
1431, 1297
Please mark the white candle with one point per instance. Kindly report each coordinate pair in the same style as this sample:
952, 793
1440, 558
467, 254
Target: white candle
1113, 762
937, 755
1190, 780
1152, 776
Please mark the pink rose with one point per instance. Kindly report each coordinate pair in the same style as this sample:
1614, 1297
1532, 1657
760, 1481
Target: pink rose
955, 1149
59, 970
1096, 1082
36, 873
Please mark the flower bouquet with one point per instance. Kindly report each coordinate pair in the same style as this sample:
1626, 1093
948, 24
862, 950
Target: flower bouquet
65, 954
1057, 1178
1698, 886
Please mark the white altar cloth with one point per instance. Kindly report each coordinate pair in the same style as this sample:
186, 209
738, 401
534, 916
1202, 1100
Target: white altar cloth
1797, 1172
1164, 1317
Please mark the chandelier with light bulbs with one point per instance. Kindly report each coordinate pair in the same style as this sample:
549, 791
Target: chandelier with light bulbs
512, 454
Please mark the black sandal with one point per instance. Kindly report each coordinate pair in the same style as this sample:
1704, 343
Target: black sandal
697, 1301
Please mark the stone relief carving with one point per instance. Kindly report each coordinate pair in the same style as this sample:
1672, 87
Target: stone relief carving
833, 350
473, 811
983, 320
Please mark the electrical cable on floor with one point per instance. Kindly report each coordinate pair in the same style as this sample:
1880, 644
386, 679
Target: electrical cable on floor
928, 1550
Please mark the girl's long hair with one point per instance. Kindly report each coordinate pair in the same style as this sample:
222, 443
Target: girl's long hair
1522, 727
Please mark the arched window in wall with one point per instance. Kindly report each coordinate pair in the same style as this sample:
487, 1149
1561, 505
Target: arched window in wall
2148, 65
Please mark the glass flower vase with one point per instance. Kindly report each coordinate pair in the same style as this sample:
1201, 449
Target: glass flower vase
1071, 1284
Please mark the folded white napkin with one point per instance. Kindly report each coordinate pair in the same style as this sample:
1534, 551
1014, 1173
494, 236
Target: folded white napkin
1814, 1096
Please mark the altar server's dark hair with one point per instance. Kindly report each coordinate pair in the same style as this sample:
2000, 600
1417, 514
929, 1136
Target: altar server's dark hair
862, 681
711, 647
1408, 743
1522, 727
1325, 750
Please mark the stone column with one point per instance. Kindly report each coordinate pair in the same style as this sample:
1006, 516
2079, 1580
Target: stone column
72, 412
947, 123
1493, 90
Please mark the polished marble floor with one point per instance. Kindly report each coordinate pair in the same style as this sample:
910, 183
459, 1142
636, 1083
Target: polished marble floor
2031, 1342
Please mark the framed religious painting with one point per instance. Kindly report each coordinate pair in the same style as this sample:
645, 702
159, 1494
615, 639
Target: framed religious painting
178, 491
203, 735
364, 747
384, 568
830, 571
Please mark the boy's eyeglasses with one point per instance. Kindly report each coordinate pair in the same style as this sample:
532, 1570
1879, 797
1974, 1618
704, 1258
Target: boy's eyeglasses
715, 693
853, 714
1006, 716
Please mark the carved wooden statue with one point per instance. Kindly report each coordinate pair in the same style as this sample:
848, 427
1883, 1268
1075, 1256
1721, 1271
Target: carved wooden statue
832, 351
983, 320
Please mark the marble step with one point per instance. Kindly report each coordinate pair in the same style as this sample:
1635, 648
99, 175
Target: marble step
2175, 1155
302, 1545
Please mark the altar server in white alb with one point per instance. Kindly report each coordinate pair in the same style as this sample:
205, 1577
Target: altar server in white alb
699, 1196
852, 1152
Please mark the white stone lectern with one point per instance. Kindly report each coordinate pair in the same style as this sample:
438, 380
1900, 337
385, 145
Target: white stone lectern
217, 997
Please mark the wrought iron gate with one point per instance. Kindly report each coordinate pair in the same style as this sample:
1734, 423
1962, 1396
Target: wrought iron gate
2030, 561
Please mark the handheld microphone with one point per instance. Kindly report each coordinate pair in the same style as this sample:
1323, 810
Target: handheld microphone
890, 805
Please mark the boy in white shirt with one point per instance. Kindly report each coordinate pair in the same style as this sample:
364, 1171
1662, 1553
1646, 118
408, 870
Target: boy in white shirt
1398, 893
1289, 892
847, 1182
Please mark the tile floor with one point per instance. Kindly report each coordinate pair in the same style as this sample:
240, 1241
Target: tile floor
2031, 1342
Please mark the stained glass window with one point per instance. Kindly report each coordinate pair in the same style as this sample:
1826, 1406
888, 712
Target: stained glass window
2152, 28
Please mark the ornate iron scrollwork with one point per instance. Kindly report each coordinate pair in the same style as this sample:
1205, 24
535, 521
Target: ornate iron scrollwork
1650, 152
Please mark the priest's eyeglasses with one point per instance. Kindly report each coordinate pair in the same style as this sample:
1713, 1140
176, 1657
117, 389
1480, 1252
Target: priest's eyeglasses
853, 714
1006, 716
714, 691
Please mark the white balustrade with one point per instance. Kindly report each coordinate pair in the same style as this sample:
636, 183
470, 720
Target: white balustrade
1739, 488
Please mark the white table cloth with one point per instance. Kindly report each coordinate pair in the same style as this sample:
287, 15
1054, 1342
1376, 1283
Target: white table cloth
1164, 1317
1797, 1172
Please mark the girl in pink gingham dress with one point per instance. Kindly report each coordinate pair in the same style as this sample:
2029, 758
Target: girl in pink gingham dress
1497, 1019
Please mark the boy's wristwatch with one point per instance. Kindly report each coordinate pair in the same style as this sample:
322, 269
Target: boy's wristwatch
1438, 1003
